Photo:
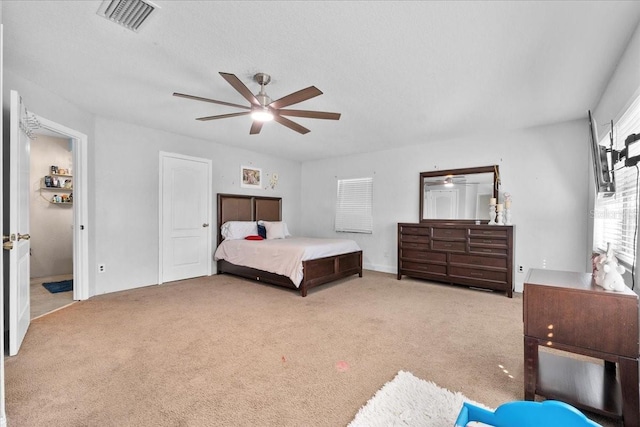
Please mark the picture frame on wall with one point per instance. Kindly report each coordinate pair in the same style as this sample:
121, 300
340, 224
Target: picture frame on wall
250, 177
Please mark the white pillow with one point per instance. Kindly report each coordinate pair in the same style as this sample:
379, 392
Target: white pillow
286, 229
275, 230
236, 230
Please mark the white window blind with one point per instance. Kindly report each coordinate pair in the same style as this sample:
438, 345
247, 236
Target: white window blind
354, 208
616, 217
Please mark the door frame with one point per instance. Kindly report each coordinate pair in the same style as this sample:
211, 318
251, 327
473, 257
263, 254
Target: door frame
162, 237
80, 205
3, 412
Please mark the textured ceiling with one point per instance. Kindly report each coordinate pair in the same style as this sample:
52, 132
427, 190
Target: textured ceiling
401, 73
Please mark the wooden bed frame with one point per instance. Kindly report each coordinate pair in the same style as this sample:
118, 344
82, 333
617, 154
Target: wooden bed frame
234, 207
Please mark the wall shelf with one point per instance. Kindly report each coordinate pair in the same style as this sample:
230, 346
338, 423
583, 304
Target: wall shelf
56, 188
66, 188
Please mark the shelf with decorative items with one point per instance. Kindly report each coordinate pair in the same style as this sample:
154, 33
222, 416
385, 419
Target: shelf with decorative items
58, 180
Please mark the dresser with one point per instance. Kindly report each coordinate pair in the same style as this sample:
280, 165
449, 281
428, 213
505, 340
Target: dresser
458, 252
567, 312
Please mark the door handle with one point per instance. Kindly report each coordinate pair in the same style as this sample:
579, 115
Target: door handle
205, 225
23, 236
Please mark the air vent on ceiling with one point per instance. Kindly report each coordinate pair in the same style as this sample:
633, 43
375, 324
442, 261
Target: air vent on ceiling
128, 13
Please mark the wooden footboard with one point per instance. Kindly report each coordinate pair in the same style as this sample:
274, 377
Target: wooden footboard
324, 270
315, 272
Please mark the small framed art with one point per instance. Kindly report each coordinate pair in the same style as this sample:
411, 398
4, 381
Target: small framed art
250, 177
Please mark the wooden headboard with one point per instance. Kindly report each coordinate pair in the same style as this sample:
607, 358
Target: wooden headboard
238, 207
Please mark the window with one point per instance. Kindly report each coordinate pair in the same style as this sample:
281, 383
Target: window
616, 217
354, 206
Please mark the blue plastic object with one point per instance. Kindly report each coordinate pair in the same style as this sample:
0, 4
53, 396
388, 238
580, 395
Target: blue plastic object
550, 413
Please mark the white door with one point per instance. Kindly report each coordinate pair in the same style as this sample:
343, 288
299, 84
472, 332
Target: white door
185, 216
442, 204
19, 266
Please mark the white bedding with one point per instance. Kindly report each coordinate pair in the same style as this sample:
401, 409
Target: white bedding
282, 256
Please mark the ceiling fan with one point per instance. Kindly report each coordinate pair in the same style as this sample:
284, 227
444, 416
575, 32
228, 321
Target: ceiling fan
263, 109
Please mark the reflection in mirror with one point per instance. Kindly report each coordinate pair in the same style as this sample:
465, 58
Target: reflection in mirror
462, 194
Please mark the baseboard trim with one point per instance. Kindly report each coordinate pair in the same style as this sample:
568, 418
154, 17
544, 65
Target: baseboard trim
381, 268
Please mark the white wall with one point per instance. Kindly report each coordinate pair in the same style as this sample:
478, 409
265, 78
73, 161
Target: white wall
50, 224
127, 184
545, 169
123, 173
623, 87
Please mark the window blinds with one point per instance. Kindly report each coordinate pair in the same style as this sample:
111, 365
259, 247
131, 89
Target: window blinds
354, 208
616, 217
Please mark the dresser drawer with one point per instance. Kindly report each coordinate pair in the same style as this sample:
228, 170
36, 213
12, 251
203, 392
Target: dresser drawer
488, 241
499, 262
493, 232
475, 273
450, 233
577, 312
414, 238
477, 249
438, 269
415, 246
445, 245
424, 255
424, 231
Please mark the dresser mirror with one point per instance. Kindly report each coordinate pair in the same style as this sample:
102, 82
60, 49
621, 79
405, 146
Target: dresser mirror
458, 194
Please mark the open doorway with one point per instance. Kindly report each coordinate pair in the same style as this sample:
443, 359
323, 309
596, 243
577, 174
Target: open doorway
23, 124
51, 222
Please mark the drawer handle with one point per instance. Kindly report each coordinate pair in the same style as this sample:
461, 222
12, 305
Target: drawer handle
487, 241
447, 245
487, 250
486, 232
477, 274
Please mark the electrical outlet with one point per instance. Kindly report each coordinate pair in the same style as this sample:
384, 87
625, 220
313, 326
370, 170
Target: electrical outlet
101, 268
520, 269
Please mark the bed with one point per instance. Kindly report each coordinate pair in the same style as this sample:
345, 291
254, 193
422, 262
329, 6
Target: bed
316, 271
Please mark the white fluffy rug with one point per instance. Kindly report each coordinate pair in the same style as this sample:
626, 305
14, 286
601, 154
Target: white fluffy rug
409, 401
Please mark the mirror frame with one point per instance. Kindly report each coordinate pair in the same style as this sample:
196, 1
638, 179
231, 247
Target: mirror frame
465, 171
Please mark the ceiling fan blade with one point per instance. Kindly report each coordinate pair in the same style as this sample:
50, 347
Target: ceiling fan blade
256, 127
310, 114
222, 116
295, 97
290, 124
213, 101
240, 87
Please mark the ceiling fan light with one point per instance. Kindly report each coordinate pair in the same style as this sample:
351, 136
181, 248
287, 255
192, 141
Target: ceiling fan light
262, 115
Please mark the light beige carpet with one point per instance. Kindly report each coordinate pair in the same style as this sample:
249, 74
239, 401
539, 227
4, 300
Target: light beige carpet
225, 351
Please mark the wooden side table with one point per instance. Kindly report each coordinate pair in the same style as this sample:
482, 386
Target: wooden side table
566, 311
